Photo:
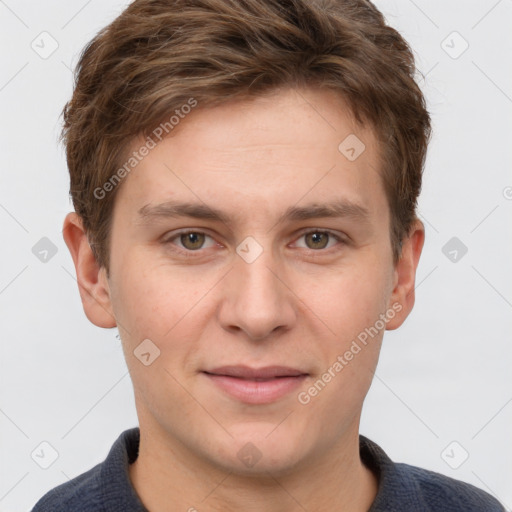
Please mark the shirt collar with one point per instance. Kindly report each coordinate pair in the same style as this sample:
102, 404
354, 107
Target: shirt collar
395, 487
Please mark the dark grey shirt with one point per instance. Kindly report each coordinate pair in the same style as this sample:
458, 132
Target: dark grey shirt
402, 488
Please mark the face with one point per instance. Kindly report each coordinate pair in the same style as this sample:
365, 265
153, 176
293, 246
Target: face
279, 267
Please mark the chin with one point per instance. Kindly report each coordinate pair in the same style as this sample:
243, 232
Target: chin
262, 448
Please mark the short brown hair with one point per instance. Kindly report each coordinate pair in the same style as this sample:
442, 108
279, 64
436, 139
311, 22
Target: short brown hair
159, 54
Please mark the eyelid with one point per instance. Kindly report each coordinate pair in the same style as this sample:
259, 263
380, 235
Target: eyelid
341, 238
338, 234
176, 234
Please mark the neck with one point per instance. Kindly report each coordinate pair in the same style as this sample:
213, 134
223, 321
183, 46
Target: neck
165, 472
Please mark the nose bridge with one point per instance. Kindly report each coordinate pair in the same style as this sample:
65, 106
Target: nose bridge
259, 302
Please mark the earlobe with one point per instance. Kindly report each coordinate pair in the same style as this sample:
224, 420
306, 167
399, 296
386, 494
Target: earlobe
91, 278
403, 296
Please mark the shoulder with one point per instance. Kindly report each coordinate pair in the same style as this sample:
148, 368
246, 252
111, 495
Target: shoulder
440, 492
406, 487
106, 486
80, 494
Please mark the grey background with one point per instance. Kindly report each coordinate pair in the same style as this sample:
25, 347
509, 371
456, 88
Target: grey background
443, 377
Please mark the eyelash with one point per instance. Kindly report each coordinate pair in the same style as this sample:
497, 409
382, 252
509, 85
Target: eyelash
197, 253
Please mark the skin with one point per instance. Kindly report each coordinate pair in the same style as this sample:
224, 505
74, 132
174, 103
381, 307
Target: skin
301, 303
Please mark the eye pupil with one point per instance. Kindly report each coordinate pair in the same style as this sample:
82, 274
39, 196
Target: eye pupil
318, 238
196, 239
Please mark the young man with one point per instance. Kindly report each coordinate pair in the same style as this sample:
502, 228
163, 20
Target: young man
245, 176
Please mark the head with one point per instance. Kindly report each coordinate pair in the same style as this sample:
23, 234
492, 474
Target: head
296, 135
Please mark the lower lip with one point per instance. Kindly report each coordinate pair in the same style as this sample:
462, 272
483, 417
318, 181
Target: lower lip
257, 392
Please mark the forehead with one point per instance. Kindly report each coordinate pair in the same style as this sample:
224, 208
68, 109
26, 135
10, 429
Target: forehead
262, 155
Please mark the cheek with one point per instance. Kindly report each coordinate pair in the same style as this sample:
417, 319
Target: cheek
158, 305
169, 307
347, 302
349, 357
350, 307
152, 297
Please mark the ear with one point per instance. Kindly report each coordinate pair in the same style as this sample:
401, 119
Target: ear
402, 297
91, 278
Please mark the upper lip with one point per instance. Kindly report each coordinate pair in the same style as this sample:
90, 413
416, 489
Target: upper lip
246, 372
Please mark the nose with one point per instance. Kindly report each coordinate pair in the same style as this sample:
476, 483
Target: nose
257, 299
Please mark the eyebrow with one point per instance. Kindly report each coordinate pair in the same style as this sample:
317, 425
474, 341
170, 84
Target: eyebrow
336, 209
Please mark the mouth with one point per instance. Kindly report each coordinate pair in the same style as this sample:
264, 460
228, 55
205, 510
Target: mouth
256, 385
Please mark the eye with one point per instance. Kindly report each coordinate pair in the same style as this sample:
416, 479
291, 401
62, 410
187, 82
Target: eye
190, 240
317, 239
